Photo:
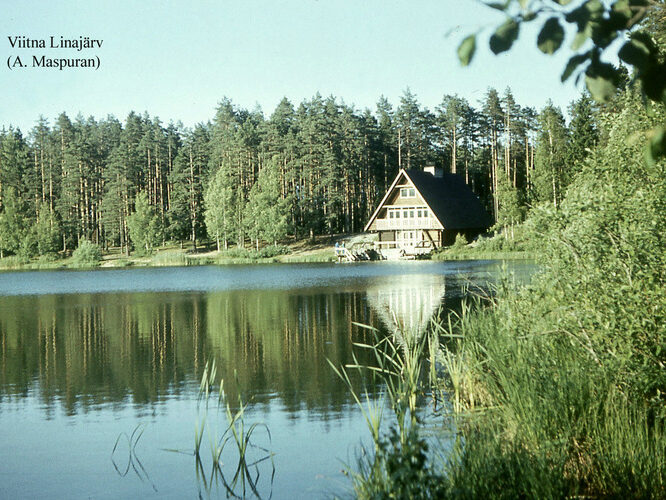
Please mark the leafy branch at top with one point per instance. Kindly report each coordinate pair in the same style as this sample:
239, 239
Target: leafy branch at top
598, 24
595, 21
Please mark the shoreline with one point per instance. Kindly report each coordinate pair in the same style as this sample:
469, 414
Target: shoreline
301, 252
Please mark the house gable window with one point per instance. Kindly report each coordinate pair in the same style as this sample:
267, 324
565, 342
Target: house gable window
407, 192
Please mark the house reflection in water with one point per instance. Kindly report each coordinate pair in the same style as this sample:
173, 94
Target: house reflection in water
408, 302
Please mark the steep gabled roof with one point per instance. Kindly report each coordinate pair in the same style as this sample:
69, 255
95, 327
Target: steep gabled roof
452, 201
401, 172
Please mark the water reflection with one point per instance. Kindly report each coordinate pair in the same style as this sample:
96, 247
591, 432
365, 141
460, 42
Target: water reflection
409, 302
88, 350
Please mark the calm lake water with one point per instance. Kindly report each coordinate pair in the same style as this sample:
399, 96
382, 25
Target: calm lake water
89, 357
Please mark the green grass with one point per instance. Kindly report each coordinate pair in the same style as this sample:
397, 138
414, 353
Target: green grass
171, 258
399, 465
173, 255
327, 257
472, 254
542, 411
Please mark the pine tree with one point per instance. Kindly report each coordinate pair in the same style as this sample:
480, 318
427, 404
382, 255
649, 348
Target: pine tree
416, 131
220, 209
145, 225
387, 145
493, 119
550, 168
583, 130
186, 218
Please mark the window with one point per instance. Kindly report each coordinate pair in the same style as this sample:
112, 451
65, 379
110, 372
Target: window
407, 193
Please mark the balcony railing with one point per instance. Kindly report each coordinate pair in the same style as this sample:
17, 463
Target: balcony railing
406, 223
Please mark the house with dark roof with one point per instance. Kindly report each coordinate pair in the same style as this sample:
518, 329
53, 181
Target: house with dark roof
423, 210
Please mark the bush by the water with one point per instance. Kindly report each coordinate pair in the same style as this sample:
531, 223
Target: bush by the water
517, 239
13, 262
263, 253
87, 254
572, 369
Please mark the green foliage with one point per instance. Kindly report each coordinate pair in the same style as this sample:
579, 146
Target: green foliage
400, 466
399, 469
460, 242
551, 36
570, 369
509, 207
170, 259
263, 253
219, 208
273, 251
466, 50
583, 133
47, 232
552, 172
145, 225
13, 262
509, 242
504, 36
86, 254
188, 178
12, 220
266, 213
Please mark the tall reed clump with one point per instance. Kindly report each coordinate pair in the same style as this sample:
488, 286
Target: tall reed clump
171, 259
400, 464
570, 372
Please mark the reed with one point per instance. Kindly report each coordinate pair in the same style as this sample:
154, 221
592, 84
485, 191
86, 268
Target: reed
549, 409
237, 441
543, 406
133, 461
399, 466
177, 258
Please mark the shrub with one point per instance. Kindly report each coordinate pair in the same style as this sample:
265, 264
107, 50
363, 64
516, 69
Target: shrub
87, 254
171, 259
264, 253
461, 242
273, 250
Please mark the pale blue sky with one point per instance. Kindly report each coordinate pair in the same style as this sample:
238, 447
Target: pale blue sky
176, 59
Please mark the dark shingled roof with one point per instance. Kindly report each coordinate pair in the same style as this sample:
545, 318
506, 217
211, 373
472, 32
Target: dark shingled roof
450, 198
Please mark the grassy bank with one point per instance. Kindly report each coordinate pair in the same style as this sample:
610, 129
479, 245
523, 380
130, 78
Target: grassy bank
320, 250
511, 243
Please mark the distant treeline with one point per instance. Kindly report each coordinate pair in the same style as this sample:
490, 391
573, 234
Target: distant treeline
317, 168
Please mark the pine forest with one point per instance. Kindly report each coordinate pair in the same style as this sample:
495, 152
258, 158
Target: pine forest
246, 179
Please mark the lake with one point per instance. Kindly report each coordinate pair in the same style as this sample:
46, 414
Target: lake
101, 370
